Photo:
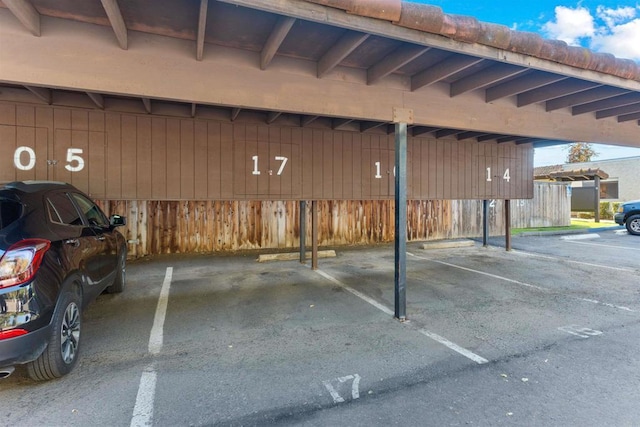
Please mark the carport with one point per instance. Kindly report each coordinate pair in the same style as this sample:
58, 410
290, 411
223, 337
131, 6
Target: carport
294, 100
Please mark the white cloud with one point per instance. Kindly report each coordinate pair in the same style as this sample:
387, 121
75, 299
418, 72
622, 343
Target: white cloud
571, 25
615, 31
622, 41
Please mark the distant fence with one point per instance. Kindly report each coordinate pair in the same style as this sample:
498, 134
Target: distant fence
160, 227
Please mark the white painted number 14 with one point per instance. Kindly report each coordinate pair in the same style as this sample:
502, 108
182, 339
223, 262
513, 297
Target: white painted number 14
506, 176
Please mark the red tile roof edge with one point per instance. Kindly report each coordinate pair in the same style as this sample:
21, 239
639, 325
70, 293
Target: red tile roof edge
467, 29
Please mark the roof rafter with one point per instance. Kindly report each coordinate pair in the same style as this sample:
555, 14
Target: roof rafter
488, 76
394, 61
347, 44
147, 105
277, 36
443, 69
234, 113
97, 99
616, 101
590, 95
447, 132
273, 116
336, 124
307, 120
554, 90
43, 94
618, 111
365, 126
629, 117
522, 84
117, 21
26, 14
421, 130
202, 26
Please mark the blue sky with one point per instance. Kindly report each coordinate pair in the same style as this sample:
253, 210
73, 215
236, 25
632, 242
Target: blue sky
601, 25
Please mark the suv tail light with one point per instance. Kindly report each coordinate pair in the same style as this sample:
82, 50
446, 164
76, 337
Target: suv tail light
21, 261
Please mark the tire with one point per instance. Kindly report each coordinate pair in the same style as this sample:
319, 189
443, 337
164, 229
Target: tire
63, 350
118, 284
633, 224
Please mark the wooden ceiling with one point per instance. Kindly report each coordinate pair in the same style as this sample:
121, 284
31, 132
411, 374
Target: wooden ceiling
273, 30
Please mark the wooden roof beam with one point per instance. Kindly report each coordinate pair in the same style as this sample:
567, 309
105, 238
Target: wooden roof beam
117, 21
277, 36
26, 14
147, 105
43, 94
629, 117
443, 69
618, 111
579, 98
307, 120
554, 90
336, 54
522, 84
97, 99
394, 61
421, 130
365, 126
488, 137
616, 101
194, 109
468, 135
273, 116
337, 124
447, 132
488, 76
202, 26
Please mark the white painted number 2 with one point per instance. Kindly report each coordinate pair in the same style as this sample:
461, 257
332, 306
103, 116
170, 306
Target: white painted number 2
281, 159
75, 163
506, 176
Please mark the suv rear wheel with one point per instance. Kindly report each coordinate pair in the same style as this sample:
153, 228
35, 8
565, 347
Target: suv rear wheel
61, 354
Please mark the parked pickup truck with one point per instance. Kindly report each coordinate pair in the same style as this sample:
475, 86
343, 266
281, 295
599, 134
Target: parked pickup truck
629, 215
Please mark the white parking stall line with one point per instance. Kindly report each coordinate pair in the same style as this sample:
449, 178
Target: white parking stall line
471, 270
627, 248
528, 285
451, 345
535, 255
143, 409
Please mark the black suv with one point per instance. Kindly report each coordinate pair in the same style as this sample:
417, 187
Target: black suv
58, 252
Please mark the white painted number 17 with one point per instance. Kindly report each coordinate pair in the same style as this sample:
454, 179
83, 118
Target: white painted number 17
281, 159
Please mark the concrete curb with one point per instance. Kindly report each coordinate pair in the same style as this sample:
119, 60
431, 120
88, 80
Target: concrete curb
290, 256
448, 244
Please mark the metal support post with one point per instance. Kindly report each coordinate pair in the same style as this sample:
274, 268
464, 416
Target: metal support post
597, 198
314, 235
507, 223
485, 223
400, 276
303, 231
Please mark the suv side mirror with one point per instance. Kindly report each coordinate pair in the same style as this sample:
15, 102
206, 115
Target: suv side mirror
117, 220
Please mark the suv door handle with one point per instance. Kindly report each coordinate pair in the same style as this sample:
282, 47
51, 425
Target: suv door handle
72, 242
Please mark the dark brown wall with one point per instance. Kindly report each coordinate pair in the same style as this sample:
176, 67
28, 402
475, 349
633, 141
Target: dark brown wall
146, 157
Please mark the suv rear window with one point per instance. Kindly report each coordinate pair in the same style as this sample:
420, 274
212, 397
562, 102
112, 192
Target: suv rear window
10, 211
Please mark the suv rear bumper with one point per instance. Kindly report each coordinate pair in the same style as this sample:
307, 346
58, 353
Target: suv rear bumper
25, 348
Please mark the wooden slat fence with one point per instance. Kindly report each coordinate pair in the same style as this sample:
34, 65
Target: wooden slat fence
161, 227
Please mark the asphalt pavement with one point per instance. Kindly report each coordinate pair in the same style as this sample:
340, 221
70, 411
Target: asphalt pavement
544, 335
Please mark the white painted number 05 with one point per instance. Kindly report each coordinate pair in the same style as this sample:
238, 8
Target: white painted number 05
75, 163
